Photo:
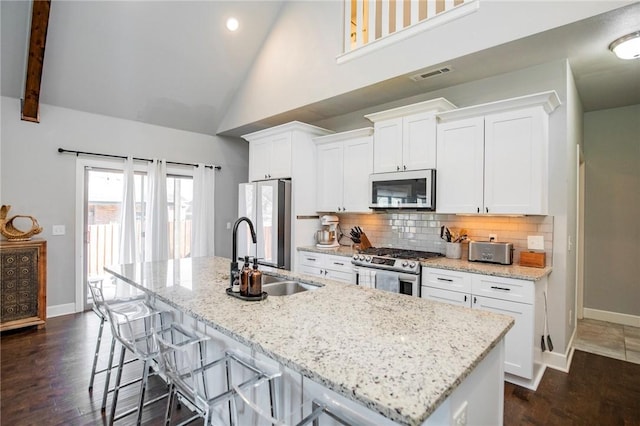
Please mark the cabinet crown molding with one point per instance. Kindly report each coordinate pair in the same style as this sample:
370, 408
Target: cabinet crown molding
548, 100
287, 127
350, 134
435, 105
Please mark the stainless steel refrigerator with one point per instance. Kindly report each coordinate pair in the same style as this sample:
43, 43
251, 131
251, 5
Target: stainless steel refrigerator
268, 205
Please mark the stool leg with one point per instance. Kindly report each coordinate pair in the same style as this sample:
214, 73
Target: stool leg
108, 376
143, 388
96, 355
167, 416
116, 389
227, 364
273, 398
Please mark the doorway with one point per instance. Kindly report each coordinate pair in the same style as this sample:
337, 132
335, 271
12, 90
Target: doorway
99, 189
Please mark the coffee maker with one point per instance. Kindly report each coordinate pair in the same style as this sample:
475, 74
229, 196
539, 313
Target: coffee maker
327, 237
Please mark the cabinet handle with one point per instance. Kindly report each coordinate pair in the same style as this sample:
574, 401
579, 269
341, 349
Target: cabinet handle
405, 167
311, 259
500, 288
338, 263
338, 208
344, 209
487, 208
465, 297
325, 272
397, 168
269, 176
265, 176
475, 300
445, 279
478, 209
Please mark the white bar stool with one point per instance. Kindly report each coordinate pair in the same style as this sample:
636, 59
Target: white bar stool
95, 285
194, 378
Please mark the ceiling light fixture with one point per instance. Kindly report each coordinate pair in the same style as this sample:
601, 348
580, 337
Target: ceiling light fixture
627, 47
232, 24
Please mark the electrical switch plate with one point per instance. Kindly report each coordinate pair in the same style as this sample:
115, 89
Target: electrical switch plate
535, 242
460, 416
493, 237
58, 230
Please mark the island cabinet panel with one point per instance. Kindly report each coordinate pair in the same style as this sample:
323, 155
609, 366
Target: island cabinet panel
508, 296
24, 284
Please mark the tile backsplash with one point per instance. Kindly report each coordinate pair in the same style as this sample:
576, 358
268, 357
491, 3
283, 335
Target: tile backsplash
421, 231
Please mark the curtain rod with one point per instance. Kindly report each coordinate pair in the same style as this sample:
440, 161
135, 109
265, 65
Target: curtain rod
70, 151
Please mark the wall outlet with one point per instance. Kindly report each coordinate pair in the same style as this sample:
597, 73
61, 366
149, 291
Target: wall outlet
228, 225
493, 237
58, 230
535, 242
460, 416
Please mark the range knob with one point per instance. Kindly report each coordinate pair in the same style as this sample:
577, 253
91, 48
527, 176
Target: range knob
355, 257
404, 264
412, 264
361, 257
368, 258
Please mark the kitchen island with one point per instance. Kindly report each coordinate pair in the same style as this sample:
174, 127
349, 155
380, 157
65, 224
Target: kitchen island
398, 356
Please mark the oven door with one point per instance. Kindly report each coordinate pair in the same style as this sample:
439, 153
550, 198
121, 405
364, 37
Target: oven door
381, 279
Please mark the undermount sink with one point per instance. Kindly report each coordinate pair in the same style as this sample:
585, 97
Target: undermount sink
275, 286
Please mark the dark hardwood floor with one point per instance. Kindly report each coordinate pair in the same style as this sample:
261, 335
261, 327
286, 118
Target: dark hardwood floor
44, 377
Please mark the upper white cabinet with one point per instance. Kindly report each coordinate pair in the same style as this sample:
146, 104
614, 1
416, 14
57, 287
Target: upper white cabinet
405, 137
344, 163
270, 157
274, 151
493, 158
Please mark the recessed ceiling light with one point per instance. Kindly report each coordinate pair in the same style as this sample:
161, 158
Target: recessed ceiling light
627, 47
232, 24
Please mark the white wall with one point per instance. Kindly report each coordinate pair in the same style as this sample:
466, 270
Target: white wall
297, 64
612, 210
38, 181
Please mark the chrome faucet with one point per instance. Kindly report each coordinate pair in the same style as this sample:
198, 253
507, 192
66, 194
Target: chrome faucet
234, 274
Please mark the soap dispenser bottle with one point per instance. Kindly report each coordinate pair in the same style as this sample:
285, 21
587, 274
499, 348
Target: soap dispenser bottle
244, 277
255, 280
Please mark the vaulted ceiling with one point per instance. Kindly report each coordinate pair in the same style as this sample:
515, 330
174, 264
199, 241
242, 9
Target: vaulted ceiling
174, 63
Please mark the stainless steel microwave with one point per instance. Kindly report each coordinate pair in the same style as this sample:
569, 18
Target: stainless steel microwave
403, 190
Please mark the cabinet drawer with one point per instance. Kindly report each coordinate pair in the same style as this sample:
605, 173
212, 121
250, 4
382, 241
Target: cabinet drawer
447, 280
446, 296
345, 277
311, 259
338, 263
311, 270
504, 288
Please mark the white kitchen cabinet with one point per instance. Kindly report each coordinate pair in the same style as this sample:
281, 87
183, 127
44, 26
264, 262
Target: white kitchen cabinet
405, 137
513, 297
270, 157
493, 158
327, 265
344, 163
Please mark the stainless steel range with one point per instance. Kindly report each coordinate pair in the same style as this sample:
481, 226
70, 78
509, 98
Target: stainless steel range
390, 269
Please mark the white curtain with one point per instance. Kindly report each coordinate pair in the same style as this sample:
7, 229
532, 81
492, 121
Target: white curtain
128, 252
202, 232
156, 234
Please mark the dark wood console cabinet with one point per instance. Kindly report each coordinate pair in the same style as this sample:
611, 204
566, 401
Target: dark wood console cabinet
23, 297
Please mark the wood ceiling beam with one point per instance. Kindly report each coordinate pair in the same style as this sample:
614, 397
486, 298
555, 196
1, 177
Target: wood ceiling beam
37, 40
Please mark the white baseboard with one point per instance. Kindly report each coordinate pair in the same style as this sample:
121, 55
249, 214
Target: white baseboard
615, 317
560, 361
58, 310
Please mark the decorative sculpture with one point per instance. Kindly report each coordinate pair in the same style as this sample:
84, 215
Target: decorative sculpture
10, 232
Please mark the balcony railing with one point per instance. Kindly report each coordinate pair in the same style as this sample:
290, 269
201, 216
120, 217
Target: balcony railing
369, 21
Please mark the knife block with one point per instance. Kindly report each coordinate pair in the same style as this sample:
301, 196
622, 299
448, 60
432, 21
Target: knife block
532, 259
364, 241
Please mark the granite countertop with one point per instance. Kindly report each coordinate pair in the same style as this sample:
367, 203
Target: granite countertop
399, 356
506, 271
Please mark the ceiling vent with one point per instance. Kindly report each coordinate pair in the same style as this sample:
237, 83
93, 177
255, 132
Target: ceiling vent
431, 73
